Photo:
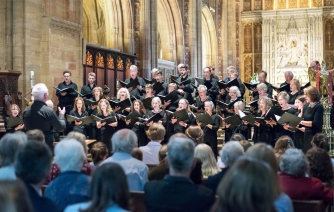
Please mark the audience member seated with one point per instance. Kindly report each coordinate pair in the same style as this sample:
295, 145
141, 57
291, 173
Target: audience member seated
176, 192
123, 143
137, 153
70, 186
320, 165
237, 137
248, 186
320, 140
109, 191
9, 145
86, 167
195, 133
245, 144
231, 151
282, 144
156, 133
99, 153
265, 153
14, 193
295, 184
32, 165
35, 135
205, 154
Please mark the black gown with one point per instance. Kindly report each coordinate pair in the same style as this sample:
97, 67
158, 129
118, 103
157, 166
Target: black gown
121, 124
280, 131
140, 131
80, 129
314, 114
200, 104
106, 131
10, 129
299, 137
93, 133
264, 133
177, 128
293, 97
210, 135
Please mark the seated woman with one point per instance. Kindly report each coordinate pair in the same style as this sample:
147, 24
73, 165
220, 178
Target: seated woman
70, 186
205, 154
109, 191
283, 143
99, 153
195, 133
295, 184
79, 111
14, 112
320, 140
320, 165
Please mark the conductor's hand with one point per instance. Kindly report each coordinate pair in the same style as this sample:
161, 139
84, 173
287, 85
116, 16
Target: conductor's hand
61, 111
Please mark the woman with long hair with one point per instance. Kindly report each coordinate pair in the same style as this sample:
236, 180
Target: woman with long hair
109, 191
283, 143
299, 132
320, 140
79, 111
122, 95
97, 96
14, 112
181, 126
106, 130
209, 164
139, 126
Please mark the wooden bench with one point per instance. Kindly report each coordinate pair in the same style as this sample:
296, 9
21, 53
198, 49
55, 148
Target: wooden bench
137, 203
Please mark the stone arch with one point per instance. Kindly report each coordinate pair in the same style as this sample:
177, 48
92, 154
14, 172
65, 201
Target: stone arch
209, 39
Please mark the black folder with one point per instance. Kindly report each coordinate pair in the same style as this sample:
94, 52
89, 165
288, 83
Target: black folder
157, 87
254, 103
67, 90
208, 84
205, 119
305, 86
122, 104
228, 84
147, 102
133, 84
14, 121
272, 112
285, 88
181, 115
133, 116
173, 77
249, 118
292, 120
87, 96
85, 120
109, 120
172, 96
155, 118
250, 86
223, 105
233, 120
195, 109
198, 79
258, 119
151, 81
91, 102
185, 82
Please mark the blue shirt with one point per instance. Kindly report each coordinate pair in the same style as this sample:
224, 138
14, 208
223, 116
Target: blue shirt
136, 171
85, 205
7, 173
68, 188
283, 203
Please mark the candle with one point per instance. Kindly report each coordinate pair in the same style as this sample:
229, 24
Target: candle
330, 84
32, 83
317, 80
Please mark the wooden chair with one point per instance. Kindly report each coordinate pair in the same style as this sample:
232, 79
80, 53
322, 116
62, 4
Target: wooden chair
309, 206
137, 203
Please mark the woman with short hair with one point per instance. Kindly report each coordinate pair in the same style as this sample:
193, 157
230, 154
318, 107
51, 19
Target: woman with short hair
202, 97
295, 92
262, 89
14, 112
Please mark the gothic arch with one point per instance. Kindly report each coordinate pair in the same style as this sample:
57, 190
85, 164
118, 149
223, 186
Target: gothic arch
209, 37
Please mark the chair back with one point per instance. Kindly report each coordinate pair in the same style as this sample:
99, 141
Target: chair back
137, 203
309, 206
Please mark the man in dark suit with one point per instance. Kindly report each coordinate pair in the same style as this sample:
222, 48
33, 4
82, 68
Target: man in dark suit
263, 79
231, 151
288, 75
88, 89
210, 83
140, 89
32, 166
187, 89
176, 192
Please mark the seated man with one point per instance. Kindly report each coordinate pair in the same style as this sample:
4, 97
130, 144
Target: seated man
176, 192
156, 133
123, 143
35, 135
32, 165
231, 151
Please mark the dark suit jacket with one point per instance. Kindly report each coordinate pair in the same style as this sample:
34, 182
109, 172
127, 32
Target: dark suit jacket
135, 92
40, 204
177, 194
213, 181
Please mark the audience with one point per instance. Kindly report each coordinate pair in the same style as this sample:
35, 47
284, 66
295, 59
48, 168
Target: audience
35, 135
237, 137
195, 133
247, 186
205, 154
17, 195
320, 140
231, 151
70, 186
295, 184
123, 143
9, 146
265, 153
320, 165
137, 153
109, 191
99, 153
156, 133
176, 192
32, 165
282, 144
245, 144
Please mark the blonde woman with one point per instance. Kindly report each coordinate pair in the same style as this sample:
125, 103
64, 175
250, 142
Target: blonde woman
122, 95
209, 164
97, 95
295, 92
79, 110
14, 112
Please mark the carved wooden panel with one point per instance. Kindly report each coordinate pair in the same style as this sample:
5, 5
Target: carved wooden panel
281, 4
317, 3
248, 38
268, 4
120, 65
257, 63
99, 60
293, 4
329, 34
329, 2
329, 58
257, 37
248, 67
89, 58
257, 4
247, 5
303, 3
110, 62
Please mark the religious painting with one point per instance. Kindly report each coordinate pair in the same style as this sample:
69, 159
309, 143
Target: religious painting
329, 34
248, 67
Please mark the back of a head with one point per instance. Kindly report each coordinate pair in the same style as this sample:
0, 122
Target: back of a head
320, 165
9, 146
99, 152
205, 154
320, 140
38, 91
180, 154
156, 132
265, 153
247, 186
35, 135
124, 140
230, 152
33, 162
69, 155
294, 162
162, 152
109, 185
245, 144
137, 153
79, 137
282, 144
195, 133
237, 137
